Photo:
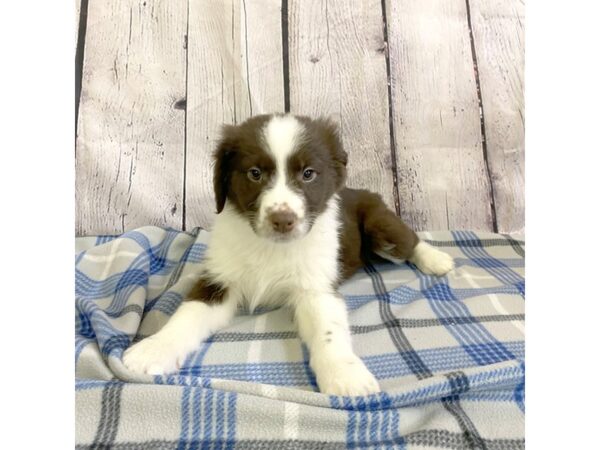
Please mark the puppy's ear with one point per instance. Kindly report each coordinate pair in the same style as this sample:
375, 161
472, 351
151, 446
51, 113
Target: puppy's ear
222, 173
334, 143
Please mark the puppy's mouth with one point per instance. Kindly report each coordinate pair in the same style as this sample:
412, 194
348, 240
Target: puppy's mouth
282, 226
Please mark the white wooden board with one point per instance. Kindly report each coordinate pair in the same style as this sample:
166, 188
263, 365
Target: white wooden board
77, 13
442, 177
234, 71
499, 42
338, 69
129, 155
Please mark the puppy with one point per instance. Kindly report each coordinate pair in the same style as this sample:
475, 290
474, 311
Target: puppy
287, 233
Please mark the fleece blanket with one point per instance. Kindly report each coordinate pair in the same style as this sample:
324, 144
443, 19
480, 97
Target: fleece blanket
448, 353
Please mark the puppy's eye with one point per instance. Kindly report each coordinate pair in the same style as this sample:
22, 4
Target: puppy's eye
308, 175
254, 174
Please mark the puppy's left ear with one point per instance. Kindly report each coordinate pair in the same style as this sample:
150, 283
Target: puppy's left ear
334, 143
222, 172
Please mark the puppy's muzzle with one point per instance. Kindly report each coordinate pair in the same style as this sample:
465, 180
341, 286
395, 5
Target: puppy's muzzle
283, 221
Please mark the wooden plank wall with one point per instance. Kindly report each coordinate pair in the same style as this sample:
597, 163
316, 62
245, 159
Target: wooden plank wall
234, 72
428, 95
498, 35
338, 69
131, 132
442, 177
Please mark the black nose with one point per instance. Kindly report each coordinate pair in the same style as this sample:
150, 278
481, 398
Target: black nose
283, 221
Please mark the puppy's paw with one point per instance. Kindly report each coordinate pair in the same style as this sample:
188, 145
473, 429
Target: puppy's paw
430, 260
154, 356
349, 377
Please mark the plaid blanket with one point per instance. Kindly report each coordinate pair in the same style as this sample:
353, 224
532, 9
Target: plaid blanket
448, 353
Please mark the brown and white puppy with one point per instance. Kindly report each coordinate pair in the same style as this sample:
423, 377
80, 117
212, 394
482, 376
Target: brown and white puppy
287, 233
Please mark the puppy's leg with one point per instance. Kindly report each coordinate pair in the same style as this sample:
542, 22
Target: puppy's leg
393, 240
430, 260
323, 325
193, 322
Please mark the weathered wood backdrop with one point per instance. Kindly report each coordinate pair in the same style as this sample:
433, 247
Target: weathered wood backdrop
428, 95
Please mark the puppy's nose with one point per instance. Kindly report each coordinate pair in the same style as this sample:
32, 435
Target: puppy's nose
283, 221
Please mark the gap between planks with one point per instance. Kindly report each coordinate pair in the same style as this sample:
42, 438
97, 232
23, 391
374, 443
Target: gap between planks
390, 111
481, 119
285, 55
79, 54
185, 120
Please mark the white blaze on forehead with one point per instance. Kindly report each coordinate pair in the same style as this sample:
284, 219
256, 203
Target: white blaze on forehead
282, 135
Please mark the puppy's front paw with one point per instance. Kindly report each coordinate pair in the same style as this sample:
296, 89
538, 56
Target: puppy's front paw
348, 377
431, 261
154, 356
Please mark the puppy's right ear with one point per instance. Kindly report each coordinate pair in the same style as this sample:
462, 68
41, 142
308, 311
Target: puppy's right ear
331, 137
222, 172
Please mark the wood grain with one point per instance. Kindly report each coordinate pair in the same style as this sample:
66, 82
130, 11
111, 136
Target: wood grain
338, 69
234, 71
499, 43
442, 178
129, 154
159, 79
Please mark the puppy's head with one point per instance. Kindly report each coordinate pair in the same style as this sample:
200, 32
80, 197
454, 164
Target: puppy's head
278, 172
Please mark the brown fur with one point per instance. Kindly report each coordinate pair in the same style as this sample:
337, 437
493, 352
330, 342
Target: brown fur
321, 150
238, 151
207, 291
369, 226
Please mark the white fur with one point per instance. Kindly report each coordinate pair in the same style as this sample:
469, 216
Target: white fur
166, 350
281, 137
430, 260
323, 325
389, 257
264, 271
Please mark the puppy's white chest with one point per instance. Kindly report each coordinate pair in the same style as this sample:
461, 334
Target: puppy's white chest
269, 272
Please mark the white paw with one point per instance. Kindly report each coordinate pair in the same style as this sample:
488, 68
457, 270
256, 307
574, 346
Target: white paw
431, 261
348, 377
154, 356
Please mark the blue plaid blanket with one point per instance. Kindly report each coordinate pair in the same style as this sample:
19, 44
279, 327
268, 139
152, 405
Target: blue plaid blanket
448, 353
